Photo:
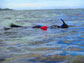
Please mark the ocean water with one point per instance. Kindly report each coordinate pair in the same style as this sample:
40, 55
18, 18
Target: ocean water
27, 45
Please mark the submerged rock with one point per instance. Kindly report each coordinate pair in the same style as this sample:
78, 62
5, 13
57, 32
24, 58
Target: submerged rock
77, 59
2, 58
50, 58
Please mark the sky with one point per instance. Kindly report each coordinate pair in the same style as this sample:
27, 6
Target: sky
41, 4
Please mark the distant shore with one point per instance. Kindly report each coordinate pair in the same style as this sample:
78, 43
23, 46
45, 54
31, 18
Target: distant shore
5, 9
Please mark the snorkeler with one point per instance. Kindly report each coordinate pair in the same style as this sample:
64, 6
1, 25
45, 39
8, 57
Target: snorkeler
64, 25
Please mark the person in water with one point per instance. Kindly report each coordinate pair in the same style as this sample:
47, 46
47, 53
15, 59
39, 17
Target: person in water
64, 25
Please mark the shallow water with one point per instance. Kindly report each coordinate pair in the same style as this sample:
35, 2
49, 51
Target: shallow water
23, 45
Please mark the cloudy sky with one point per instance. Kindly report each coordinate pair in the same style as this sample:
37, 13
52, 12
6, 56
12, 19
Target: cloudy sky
41, 4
